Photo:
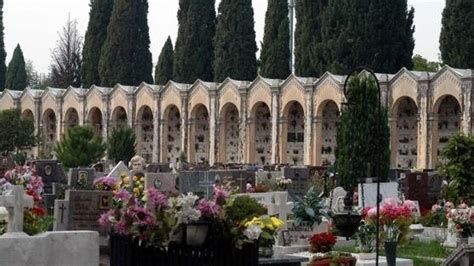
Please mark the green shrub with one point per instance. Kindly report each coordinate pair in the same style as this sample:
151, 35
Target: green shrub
244, 207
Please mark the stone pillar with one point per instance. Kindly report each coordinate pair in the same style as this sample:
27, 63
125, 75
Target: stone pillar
275, 109
185, 126
244, 141
131, 110
156, 129
105, 117
212, 127
433, 141
308, 123
38, 123
82, 110
424, 126
392, 122
467, 108
59, 119
318, 140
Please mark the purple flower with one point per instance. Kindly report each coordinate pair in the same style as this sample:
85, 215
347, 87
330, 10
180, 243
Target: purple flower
121, 227
220, 194
123, 195
208, 208
104, 219
156, 198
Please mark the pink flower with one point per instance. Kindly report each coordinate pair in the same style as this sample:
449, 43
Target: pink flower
208, 208
104, 219
372, 212
123, 195
410, 204
156, 198
390, 201
435, 208
121, 227
463, 206
448, 205
220, 194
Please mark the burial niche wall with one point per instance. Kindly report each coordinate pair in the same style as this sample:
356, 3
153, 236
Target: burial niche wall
262, 134
330, 120
172, 134
145, 133
200, 134
49, 133
449, 121
119, 117
95, 120
294, 126
407, 132
71, 119
229, 132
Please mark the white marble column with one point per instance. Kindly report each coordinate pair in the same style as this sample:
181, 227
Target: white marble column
392, 122
275, 125
212, 128
424, 129
59, 119
131, 110
156, 131
243, 144
308, 123
38, 123
466, 115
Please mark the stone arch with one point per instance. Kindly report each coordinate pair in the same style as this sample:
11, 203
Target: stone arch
94, 119
145, 133
172, 137
260, 134
328, 115
48, 133
229, 141
28, 114
199, 134
404, 133
71, 119
446, 123
292, 134
119, 117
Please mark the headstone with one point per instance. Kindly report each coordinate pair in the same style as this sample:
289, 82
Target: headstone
85, 208
368, 193
119, 170
280, 207
163, 182
300, 234
158, 168
300, 177
61, 215
192, 181
336, 199
267, 178
81, 178
461, 256
423, 187
51, 172
48, 203
15, 200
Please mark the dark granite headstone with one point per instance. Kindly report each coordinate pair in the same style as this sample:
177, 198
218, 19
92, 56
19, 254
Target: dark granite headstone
158, 168
51, 172
81, 178
85, 208
48, 203
301, 181
423, 187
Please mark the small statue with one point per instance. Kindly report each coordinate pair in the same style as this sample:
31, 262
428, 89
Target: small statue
137, 164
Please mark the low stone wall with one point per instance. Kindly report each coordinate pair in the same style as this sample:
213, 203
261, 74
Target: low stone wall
73, 248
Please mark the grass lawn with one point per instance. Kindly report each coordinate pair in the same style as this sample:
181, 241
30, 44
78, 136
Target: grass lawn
417, 251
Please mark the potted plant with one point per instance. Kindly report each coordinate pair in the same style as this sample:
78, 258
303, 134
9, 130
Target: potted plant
322, 243
309, 209
366, 239
463, 220
269, 227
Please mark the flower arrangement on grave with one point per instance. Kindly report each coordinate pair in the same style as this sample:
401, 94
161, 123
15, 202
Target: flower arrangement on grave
105, 183
463, 219
269, 227
437, 216
36, 219
135, 184
334, 259
309, 209
322, 242
366, 235
282, 183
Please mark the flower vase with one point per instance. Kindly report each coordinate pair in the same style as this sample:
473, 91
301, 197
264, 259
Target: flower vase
265, 251
391, 252
196, 233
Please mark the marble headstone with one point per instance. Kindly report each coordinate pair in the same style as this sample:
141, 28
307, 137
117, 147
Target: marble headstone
158, 168
336, 200
51, 172
61, 215
164, 182
119, 170
85, 208
81, 178
369, 195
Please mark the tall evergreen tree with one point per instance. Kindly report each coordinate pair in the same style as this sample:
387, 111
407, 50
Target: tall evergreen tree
456, 41
125, 56
96, 33
16, 71
308, 60
194, 45
164, 67
234, 44
3, 54
275, 54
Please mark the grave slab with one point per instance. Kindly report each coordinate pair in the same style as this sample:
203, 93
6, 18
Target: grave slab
369, 196
81, 178
85, 208
51, 172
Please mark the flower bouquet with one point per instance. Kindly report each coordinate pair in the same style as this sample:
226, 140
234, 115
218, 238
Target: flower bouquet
282, 183
105, 183
463, 219
322, 243
267, 227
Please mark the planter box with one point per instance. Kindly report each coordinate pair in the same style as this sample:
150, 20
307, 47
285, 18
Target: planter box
127, 252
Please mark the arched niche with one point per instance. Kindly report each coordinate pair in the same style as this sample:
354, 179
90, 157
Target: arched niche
292, 134
28, 114
144, 130
119, 117
94, 119
447, 123
330, 116
172, 136
260, 134
71, 119
48, 133
229, 141
199, 134
404, 133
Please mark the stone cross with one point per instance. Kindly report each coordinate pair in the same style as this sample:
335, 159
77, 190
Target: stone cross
62, 209
207, 184
281, 207
15, 201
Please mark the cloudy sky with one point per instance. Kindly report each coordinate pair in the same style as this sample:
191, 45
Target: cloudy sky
35, 25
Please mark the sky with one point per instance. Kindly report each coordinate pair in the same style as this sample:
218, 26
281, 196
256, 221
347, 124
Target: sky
34, 24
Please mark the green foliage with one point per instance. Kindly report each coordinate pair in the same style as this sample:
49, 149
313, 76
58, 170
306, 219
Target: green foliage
164, 67
16, 133
183, 158
244, 207
362, 150
35, 225
235, 47
16, 72
194, 51
3, 54
80, 147
96, 33
456, 41
434, 219
275, 55
125, 56
422, 64
121, 144
309, 209
458, 166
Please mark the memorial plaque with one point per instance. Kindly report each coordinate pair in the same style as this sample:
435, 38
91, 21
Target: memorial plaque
164, 182
81, 178
51, 172
85, 208
301, 181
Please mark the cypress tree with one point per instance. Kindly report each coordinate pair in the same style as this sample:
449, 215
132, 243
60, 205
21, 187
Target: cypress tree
3, 54
194, 45
125, 56
235, 45
308, 61
456, 41
164, 67
275, 54
16, 71
96, 33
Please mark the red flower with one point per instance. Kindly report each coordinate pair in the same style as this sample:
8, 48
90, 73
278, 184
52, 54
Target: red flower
322, 242
40, 212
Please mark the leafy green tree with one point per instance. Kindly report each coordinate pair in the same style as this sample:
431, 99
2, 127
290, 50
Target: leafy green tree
194, 48
96, 33
362, 150
16, 133
121, 144
125, 56
164, 67
422, 64
458, 166
3, 54
275, 54
235, 47
16, 72
80, 147
456, 41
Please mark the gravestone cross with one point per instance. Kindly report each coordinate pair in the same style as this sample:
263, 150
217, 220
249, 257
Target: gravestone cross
62, 209
15, 200
206, 183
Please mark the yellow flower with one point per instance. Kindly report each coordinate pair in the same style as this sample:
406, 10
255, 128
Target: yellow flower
135, 178
125, 181
277, 223
136, 191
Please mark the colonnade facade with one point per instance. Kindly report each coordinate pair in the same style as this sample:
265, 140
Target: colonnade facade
265, 121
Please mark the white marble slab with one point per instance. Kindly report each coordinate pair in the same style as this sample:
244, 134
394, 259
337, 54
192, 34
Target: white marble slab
387, 190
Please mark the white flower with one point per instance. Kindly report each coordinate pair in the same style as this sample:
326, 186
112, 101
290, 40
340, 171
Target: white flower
253, 232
